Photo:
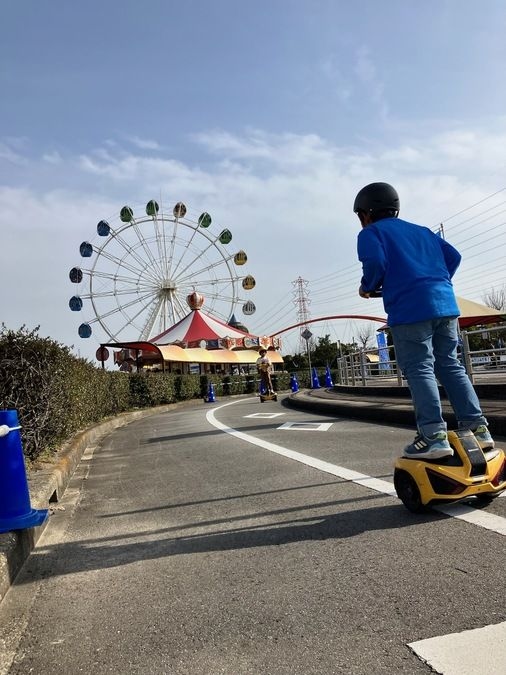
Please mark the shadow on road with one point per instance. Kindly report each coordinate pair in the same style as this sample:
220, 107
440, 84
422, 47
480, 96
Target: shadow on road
72, 557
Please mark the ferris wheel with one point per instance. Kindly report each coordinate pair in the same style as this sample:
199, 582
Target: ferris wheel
141, 270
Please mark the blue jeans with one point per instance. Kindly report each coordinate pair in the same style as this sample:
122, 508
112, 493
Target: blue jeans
427, 352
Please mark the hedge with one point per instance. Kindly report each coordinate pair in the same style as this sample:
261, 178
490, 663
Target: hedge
57, 394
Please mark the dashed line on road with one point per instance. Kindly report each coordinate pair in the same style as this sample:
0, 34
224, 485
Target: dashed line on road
306, 426
265, 416
483, 519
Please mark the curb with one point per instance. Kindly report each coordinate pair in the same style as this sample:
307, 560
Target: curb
47, 486
396, 409
355, 408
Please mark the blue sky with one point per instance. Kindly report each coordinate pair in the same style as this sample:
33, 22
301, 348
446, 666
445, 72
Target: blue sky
269, 115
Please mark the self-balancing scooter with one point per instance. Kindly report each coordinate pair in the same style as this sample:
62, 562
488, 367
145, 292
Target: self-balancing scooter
471, 474
266, 396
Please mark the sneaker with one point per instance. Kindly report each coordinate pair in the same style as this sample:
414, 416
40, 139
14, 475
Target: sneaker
482, 435
435, 447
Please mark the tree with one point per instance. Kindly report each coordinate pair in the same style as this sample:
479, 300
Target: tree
365, 336
325, 352
496, 298
295, 362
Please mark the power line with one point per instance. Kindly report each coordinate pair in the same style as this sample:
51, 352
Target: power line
468, 208
470, 237
273, 311
467, 220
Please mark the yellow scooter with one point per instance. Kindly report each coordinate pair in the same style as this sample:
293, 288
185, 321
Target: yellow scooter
471, 474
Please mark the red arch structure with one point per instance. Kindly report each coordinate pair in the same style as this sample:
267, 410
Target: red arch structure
328, 318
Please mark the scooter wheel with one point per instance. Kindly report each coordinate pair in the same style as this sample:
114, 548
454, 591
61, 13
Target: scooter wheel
484, 500
408, 492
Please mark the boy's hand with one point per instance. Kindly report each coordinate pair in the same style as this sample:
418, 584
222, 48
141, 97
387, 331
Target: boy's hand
362, 293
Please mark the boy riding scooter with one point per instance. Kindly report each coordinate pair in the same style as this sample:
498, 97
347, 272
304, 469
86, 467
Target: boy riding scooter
264, 368
414, 267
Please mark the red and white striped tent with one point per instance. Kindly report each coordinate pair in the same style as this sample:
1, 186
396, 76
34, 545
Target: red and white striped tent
201, 338
197, 327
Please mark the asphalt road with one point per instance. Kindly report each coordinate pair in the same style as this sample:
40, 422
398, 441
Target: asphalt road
210, 540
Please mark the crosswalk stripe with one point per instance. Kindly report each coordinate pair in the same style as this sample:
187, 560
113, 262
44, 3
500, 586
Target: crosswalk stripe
480, 650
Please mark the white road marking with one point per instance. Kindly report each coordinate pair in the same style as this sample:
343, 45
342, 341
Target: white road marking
483, 519
266, 416
465, 653
306, 426
481, 650
87, 455
488, 521
339, 471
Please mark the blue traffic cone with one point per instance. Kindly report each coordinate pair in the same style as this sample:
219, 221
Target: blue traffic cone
315, 382
294, 385
328, 378
211, 398
16, 512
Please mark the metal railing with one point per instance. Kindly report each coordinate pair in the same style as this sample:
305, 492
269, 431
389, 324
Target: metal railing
369, 367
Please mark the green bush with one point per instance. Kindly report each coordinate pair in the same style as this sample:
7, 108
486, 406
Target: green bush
140, 394
57, 394
204, 386
227, 385
250, 384
161, 387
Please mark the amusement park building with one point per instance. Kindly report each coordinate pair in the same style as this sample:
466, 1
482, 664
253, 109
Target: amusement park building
198, 340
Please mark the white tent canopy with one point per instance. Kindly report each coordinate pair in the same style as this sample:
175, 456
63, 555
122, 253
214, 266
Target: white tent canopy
474, 313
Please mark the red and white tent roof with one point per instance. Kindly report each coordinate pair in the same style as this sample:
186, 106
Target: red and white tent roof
197, 326
200, 338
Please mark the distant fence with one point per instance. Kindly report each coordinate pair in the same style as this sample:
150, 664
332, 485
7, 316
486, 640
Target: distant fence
379, 367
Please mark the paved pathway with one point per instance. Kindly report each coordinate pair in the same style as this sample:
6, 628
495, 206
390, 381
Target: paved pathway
187, 549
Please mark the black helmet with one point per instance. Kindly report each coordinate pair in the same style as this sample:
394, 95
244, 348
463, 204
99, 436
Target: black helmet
377, 197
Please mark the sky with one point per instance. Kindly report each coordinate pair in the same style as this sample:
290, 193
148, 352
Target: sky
270, 116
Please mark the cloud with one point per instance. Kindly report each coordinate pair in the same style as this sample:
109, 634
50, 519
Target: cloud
340, 84
52, 157
372, 90
9, 155
270, 151
40, 239
254, 145
124, 167
286, 198
143, 143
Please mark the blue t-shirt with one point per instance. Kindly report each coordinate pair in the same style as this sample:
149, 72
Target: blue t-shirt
413, 266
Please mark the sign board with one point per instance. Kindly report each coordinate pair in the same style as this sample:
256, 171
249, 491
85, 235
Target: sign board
102, 354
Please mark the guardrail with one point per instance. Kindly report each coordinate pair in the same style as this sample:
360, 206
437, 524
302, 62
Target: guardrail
378, 366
